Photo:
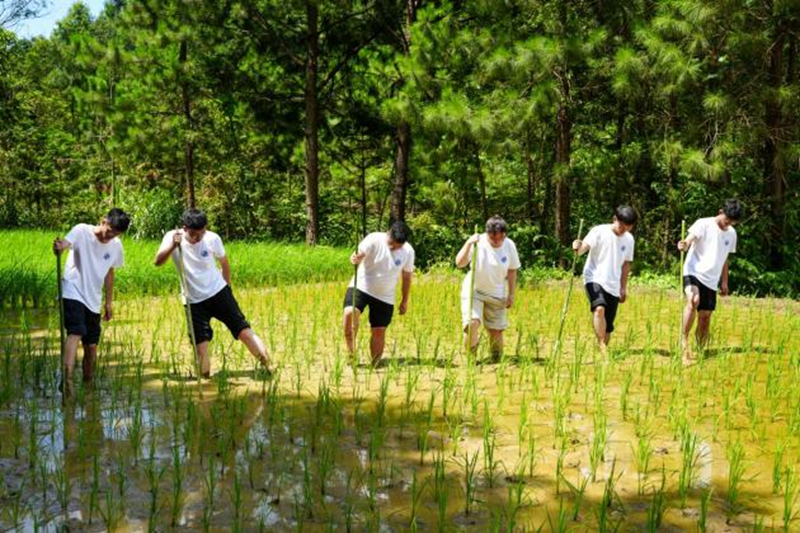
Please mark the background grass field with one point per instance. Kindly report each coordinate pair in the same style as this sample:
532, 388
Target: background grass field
27, 267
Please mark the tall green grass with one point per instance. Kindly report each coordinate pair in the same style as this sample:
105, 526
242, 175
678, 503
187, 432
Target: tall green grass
28, 268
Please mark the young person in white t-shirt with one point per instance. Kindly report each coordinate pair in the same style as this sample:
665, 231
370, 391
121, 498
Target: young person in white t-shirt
382, 259
496, 267
709, 242
94, 253
208, 291
605, 274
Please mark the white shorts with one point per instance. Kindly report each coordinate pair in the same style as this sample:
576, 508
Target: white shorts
488, 310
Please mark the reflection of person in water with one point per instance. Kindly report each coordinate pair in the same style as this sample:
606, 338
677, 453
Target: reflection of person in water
82, 430
226, 422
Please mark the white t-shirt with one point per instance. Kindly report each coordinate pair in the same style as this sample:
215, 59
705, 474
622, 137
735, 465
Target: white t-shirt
492, 266
381, 267
203, 277
607, 253
88, 262
709, 252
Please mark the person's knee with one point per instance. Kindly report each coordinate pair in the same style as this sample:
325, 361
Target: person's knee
245, 335
379, 334
599, 312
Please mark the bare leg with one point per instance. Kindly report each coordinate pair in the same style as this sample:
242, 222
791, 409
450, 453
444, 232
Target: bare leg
376, 344
89, 362
703, 324
599, 323
70, 355
496, 343
474, 327
255, 346
349, 332
689, 312
202, 357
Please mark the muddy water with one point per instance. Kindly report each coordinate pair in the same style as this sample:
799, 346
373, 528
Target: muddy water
326, 446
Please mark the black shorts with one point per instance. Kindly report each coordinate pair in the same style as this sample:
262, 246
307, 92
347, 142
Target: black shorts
599, 297
222, 306
708, 297
380, 313
79, 320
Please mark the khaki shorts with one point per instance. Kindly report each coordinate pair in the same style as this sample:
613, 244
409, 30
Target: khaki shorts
490, 311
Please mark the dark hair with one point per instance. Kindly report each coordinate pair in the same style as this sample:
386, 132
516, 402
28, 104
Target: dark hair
733, 209
626, 214
118, 220
399, 232
194, 219
496, 224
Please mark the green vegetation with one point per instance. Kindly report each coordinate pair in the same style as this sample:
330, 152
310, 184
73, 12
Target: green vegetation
27, 270
313, 120
428, 440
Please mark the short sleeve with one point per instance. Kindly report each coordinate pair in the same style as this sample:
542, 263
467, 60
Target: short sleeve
73, 237
120, 260
367, 244
697, 230
629, 254
591, 237
410, 256
166, 242
513, 256
217, 247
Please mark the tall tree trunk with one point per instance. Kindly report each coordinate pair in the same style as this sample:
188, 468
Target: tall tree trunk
398, 206
363, 188
312, 125
562, 170
188, 150
481, 181
563, 142
401, 175
774, 161
530, 165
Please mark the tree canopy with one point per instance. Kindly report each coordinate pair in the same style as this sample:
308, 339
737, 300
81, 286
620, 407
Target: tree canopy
318, 120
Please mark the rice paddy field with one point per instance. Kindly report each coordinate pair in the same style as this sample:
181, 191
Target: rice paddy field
544, 439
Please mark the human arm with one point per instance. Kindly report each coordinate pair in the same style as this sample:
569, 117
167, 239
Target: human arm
406, 291
167, 247
108, 290
723, 286
226, 268
463, 256
623, 281
512, 287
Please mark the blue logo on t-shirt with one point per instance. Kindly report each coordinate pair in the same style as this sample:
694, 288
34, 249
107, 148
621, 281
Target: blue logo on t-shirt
204, 253
397, 262
107, 256
504, 259
727, 243
623, 247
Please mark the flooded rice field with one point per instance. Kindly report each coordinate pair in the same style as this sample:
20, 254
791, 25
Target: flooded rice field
430, 440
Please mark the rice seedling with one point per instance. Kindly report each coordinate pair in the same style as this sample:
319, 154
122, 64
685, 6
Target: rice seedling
599, 438
736, 458
577, 490
602, 512
297, 435
705, 504
513, 505
490, 463
689, 456
790, 497
777, 467
658, 506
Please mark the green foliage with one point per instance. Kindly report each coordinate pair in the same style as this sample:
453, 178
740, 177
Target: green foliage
105, 110
27, 277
